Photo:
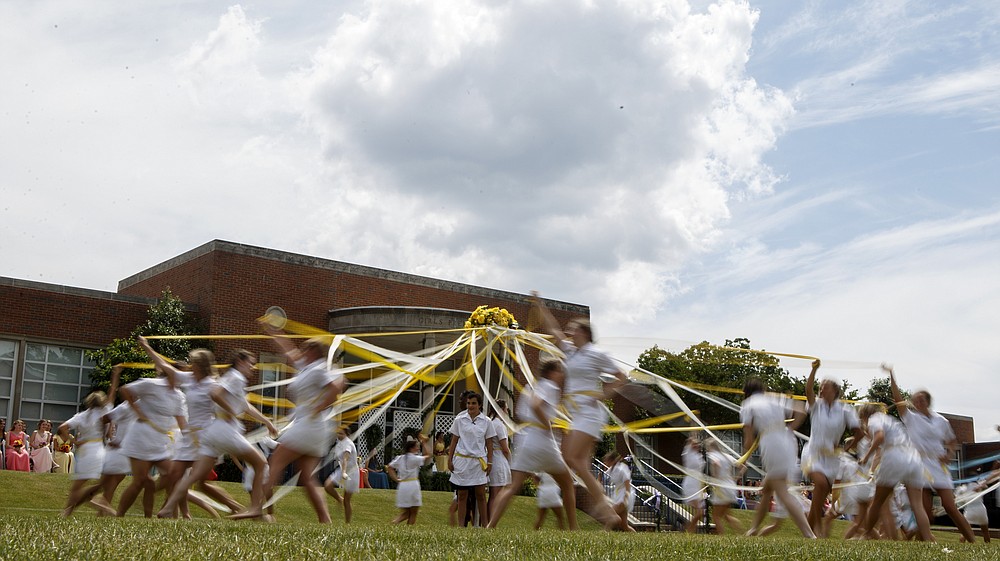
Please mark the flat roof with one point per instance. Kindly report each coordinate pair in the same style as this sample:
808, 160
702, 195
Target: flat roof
338, 266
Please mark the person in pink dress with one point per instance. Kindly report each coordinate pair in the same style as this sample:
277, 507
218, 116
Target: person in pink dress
41, 447
17, 454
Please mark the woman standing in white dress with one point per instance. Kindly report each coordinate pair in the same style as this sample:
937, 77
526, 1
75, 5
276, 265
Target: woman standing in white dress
764, 416
932, 436
583, 396
405, 471
314, 389
500, 474
160, 411
829, 419
469, 454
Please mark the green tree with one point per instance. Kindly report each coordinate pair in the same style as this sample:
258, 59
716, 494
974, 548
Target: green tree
166, 317
880, 391
729, 366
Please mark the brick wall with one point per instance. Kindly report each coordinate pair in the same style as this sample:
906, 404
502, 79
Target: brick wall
67, 315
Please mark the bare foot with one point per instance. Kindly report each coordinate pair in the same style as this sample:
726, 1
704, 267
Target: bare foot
246, 514
102, 506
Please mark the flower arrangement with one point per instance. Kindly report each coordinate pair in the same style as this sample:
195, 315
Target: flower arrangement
65, 448
484, 316
17, 443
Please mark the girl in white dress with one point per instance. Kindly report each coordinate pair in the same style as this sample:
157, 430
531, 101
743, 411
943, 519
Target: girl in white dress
692, 488
723, 496
548, 498
763, 415
535, 446
405, 471
89, 427
160, 411
622, 494
314, 389
214, 408
348, 473
932, 436
500, 473
829, 418
583, 395
469, 454
897, 462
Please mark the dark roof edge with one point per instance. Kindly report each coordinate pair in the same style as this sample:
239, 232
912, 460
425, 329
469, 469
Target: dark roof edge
339, 266
75, 291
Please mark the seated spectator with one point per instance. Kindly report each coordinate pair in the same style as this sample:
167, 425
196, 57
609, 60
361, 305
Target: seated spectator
62, 453
17, 454
41, 447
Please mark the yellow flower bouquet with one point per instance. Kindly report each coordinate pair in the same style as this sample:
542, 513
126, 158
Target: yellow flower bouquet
485, 316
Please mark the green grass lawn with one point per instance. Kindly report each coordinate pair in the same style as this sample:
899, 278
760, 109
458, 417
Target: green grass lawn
32, 530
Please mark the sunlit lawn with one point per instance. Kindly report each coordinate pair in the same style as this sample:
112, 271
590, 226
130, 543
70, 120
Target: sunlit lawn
32, 530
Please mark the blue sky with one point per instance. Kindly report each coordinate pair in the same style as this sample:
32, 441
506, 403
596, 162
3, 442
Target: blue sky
819, 177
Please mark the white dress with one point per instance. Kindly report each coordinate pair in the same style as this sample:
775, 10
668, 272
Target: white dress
900, 462
929, 433
153, 441
766, 414
116, 462
89, 427
225, 434
407, 468
722, 469
620, 477
311, 432
549, 494
470, 452
535, 447
975, 510
500, 472
828, 423
691, 487
350, 483
200, 414
584, 389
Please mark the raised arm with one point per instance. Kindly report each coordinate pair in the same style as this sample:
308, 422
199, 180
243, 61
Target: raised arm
428, 448
810, 384
897, 396
116, 376
549, 322
282, 342
159, 362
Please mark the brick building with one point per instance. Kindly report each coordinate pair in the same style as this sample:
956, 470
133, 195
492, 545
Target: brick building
46, 327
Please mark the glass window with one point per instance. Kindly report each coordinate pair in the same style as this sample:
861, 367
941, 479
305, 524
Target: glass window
6, 368
61, 392
63, 374
30, 412
65, 355
34, 371
58, 413
5, 388
36, 352
55, 380
7, 350
31, 390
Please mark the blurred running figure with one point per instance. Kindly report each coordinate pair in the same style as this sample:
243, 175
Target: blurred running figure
829, 418
763, 415
583, 396
934, 440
